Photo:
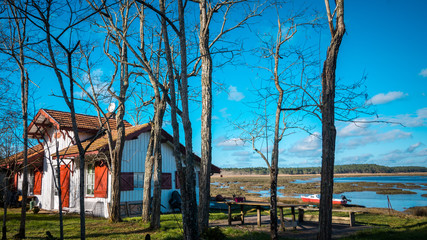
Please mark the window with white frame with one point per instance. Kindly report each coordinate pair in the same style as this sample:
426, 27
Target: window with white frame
138, 180
55, 179
90, 179
30, 183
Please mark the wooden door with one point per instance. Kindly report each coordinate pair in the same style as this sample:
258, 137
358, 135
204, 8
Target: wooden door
65, 186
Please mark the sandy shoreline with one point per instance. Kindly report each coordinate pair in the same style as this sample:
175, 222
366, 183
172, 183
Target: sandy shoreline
318, 175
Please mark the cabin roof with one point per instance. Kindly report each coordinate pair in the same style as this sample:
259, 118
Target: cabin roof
35, 157
100, 144
46, 118
62, 121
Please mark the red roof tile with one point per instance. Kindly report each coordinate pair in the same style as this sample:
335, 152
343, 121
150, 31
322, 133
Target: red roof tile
62, 120
35, 157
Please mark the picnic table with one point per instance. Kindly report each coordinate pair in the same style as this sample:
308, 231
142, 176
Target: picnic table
259, 206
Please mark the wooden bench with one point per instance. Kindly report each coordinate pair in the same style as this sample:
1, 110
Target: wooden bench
259, 206
351, 219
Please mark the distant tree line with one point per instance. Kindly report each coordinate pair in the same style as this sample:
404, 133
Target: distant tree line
351, 168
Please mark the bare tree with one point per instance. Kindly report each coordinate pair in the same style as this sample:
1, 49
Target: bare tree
207, 11
328, 117
8, 147
116, 25
14, 46
59, 38
279, 98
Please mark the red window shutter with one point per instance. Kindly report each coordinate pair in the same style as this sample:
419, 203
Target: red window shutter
65, 185
101, 181
177, 184
15, 182
126, 181
37, 181
166, 181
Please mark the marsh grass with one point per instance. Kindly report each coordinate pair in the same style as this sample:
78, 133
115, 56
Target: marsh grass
239, 185
417, 211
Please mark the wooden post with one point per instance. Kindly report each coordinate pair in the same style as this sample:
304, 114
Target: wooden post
242, 215
229, 214
127, 209
258, 215
293, 217
282, 219
352, 219
300, 215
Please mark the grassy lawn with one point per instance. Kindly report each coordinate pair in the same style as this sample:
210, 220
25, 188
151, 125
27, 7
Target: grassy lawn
99, 228
395, 226
387, 227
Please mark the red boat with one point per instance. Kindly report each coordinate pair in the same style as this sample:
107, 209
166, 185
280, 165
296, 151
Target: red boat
315, 198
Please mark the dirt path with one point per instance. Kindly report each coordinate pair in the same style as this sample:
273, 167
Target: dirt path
307, 230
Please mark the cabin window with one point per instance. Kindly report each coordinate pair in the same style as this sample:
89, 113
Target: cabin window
55, 180
30, 183
126, 181
166, 181
177, 184
138, 180
90, 179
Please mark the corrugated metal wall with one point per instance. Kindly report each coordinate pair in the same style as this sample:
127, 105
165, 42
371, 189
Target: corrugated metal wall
134, 161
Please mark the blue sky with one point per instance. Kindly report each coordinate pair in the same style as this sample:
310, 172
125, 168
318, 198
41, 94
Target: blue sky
385, 40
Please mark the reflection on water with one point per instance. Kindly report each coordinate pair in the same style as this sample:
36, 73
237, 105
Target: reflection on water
266, 193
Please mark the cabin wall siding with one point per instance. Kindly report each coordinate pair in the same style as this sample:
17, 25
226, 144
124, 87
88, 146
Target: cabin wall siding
134, 154
46, 199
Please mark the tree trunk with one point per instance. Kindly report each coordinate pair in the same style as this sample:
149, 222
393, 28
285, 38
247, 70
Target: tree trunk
328, 125
58, 187
160, 105
5, 205
206, 120
149, 161
24, 102
274, 169
174, 109
70, 103
191, 230
116, 162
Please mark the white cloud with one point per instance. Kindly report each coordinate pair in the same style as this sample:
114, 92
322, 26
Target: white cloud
231, 142
242, 153
419, 119
423, 72
382, 98
309, 146
359, 128
360, 159
405, 158
413, 147
234, 95
99, 87
375, 137
224, 113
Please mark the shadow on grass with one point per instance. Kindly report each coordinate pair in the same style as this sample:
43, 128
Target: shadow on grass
387, 234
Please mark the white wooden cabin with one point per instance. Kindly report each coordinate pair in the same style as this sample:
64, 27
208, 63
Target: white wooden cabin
50, 127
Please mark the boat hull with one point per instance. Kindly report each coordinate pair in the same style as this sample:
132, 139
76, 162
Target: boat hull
317, 200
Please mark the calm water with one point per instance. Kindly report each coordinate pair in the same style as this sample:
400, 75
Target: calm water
371, 199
